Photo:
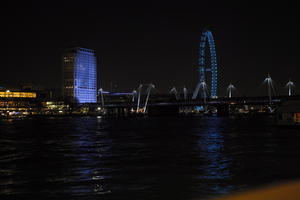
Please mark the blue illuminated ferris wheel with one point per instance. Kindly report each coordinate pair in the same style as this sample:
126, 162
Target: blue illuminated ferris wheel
207, 67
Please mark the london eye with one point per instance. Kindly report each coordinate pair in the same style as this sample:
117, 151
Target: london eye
206, 68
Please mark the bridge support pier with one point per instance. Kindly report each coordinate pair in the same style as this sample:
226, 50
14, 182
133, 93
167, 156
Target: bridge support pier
118, 111
223, 110
163, 110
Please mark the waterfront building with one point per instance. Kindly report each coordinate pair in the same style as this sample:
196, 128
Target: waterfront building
288, 113
54, 108
80, 75
14, 102
12, 94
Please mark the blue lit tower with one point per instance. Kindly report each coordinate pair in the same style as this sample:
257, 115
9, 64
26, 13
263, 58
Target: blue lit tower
207, 38
80, 75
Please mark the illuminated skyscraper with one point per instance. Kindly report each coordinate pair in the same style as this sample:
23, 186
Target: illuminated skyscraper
80, 75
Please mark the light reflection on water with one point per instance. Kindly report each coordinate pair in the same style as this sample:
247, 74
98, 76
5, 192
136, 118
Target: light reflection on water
142, 158
211, 147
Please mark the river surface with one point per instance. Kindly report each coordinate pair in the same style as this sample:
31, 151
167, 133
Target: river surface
143, 158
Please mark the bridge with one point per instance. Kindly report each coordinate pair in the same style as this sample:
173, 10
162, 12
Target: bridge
162, 105
200, 102
205, 93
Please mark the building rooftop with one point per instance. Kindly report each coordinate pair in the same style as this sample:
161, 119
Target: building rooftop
76, 49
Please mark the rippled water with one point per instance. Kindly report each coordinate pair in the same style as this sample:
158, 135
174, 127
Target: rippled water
143, 158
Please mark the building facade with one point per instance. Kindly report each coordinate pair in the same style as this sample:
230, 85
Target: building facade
80, 75
17, 102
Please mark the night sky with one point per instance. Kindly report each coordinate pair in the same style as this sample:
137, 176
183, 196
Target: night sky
151, 42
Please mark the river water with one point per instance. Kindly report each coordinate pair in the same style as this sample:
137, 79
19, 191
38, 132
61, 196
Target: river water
143, 158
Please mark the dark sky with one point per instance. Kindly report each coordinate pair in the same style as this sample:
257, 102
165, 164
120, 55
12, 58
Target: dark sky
152, 42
